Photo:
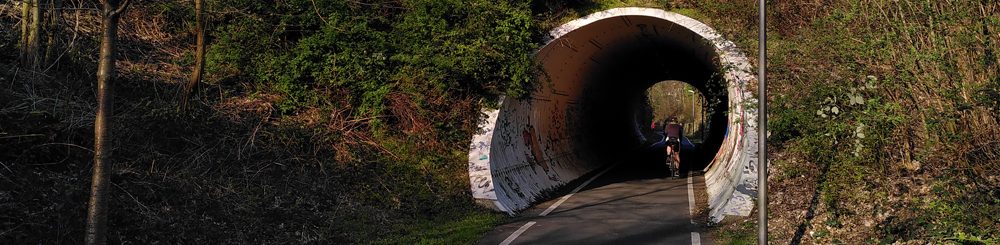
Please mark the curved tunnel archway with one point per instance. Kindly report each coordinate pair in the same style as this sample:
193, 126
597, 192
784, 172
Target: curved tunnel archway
590, 109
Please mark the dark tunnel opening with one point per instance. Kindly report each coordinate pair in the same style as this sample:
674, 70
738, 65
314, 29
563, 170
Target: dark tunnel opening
615, 92
592, 108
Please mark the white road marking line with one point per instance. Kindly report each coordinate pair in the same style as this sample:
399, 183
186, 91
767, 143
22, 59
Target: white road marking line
517, 233
691, 197
695, 237
578, 188
525, 227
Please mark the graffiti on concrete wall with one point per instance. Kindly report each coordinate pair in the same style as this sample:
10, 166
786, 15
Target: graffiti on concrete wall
530, 138
526, 147
479, 158
538, 158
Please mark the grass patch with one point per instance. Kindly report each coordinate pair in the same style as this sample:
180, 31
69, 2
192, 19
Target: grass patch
459, 228
740, 232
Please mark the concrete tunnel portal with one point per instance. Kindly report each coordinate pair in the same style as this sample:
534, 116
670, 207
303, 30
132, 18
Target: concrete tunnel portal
590, 109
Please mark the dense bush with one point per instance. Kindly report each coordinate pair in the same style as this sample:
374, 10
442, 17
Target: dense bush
335, 122
364, 50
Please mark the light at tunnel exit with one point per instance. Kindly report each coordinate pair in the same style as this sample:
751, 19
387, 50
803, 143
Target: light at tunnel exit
682, 101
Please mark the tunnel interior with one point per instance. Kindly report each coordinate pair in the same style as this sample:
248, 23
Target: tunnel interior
614, 119
592, 108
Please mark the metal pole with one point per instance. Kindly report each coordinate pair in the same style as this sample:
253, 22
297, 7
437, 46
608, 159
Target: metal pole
692, 109
762, 129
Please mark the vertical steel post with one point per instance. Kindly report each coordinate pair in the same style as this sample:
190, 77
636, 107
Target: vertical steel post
692, 110
762, 128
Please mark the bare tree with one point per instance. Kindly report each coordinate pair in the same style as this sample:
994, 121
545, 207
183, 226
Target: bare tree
55, 12
30, 29
25, 20
199, 66
97, 209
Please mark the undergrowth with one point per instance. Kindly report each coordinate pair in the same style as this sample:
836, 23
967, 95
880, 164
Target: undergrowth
889, 100
318, 122
348, 121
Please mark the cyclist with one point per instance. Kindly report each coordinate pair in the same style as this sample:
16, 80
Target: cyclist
673, 132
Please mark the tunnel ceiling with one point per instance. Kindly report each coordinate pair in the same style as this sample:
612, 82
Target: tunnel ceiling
642, 49
585, 116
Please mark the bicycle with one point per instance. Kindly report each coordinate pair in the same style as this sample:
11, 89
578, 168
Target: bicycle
673, 157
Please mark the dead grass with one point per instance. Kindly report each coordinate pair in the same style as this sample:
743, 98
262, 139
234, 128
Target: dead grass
229, 171
932, 59
233, 171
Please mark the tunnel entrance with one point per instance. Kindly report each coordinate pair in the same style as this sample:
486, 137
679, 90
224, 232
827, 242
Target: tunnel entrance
593, 108
691, 109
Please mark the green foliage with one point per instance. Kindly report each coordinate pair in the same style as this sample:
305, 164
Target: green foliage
842, 129
743, 232
238, 48
362, 51
927, 81
671, 98
335, 166
347, 53
464, 229
955, 211
963, 238
989, 96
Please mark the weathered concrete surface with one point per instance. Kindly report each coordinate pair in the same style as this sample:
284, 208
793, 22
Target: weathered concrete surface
588, 113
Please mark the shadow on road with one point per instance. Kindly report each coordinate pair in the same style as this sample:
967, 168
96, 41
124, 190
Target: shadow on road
646, 165
636, 202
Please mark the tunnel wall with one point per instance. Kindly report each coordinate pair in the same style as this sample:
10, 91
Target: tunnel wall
528, 147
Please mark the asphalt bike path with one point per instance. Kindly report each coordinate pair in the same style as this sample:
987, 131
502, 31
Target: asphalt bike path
630, 202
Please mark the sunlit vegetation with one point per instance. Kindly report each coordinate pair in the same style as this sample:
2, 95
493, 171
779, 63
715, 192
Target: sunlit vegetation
315, 121
877, 104
682, 101
325, 121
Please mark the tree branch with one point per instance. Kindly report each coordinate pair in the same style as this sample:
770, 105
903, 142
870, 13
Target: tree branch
121, 8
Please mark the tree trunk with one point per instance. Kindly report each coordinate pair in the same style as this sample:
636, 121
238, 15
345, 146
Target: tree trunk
97, 209
30, 25
55, 12
34, 30
25, 20
199, 66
